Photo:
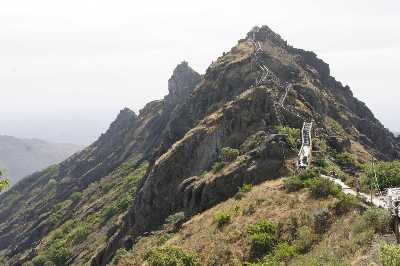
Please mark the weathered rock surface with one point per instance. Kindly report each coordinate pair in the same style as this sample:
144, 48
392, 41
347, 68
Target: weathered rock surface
182, 137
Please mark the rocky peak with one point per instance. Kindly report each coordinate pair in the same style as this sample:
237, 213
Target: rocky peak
125, 117
264, 33
182, 82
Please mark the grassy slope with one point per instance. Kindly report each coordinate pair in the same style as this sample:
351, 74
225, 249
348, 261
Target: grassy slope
231, 244
95, 211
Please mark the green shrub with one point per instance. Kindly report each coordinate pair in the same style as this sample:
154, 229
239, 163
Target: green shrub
58, 253
261, 244
245, 188
78, 234
217, 167
309, 174
163, 238
171, 256
388, 173
263, 226
363, 238
124, 203
121, 252
390, 255
345, 203
39, 260
4, 183
335, 126
321, 187
290, 227
222, 219
110, 211
305, 239
51, 183
293, 184
321, 163
284, 253
345, 159
322, 220
55, 217
75, 196
263, 238
293, 135
229, 154
376, 219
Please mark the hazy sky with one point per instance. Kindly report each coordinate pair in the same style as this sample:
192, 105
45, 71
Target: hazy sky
68, 67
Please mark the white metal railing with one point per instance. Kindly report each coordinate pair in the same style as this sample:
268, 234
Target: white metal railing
304, 155
306, 146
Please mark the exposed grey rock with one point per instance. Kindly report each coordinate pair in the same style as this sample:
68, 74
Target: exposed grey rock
181, 84
339, 144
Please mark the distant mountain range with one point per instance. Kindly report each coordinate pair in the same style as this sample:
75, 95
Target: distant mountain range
21, 157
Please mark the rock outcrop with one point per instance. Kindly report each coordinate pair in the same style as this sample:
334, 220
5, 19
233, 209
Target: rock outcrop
181, 84
182, 137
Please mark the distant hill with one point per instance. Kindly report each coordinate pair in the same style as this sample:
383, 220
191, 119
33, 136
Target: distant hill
21, 157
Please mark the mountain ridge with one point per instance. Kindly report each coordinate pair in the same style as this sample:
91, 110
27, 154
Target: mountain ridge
169, 153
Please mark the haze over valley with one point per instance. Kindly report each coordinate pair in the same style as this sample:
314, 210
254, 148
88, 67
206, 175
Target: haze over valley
21, 157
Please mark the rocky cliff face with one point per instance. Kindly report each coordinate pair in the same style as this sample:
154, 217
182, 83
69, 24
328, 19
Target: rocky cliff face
182, 136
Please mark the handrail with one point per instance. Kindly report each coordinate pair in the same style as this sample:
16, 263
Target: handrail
304, 155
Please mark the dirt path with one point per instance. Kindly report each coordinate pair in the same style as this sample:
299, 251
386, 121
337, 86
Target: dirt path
376, 201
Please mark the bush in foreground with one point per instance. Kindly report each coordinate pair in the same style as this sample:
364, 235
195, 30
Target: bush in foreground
263, 238
171, 256
390, 255
377, 219
222, 219
322, 188
345, 203
309, 174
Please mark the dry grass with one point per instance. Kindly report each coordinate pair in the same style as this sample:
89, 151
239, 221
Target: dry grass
230, 244
360, 152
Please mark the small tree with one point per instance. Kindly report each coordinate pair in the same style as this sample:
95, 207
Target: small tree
4, 182
228, 154
293, 135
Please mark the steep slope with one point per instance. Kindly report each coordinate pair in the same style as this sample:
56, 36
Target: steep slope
166, 159
237, 111
344, 239
20, 157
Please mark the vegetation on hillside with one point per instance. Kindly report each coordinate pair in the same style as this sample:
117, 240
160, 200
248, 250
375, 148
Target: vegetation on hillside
86, 230
293, 135
285, 228
387, 174
4, 182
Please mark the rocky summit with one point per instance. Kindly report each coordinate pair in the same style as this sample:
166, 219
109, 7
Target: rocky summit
187, 154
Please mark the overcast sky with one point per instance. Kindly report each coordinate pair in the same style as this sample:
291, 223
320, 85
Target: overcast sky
68, 67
